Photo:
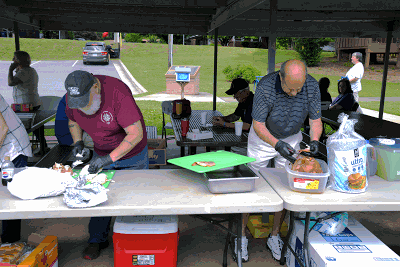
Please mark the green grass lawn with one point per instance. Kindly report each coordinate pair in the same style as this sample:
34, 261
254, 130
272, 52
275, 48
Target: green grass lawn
148, 63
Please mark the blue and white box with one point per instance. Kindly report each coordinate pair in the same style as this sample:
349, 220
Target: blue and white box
355, 246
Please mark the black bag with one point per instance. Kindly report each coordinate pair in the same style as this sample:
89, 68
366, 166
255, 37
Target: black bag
186, 109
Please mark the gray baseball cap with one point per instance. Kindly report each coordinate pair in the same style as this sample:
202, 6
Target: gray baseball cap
78, 84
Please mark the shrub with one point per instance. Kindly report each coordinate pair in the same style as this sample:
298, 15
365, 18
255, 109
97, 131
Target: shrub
310, 49
133, 37
247, 72
245, 43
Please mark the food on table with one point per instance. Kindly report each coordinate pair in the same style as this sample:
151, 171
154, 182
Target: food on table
356, 181
59, 167
306, 164
100, 178
9, 253
204, 163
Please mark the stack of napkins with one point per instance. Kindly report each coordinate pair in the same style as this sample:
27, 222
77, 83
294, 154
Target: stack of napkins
196, 134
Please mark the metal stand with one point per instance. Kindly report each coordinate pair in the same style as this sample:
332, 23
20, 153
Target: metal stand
182, 84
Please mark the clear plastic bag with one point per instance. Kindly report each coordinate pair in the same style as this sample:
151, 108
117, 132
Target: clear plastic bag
347, 157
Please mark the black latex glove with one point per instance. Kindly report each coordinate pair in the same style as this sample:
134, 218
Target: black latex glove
314, 147
97, 163
78, 148
285, 150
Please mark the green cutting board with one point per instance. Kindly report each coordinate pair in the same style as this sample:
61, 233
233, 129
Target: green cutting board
222, 159
109, 173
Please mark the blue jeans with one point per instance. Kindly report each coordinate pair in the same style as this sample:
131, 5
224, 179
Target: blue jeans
11, 229
99, 227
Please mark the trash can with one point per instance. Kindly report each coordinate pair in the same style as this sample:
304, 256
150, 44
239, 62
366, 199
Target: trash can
146, 240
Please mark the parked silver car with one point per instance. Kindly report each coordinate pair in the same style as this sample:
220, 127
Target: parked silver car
95, 52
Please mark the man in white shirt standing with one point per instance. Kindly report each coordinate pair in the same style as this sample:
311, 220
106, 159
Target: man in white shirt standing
356, 73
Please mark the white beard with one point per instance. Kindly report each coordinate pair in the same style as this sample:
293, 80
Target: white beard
95, 105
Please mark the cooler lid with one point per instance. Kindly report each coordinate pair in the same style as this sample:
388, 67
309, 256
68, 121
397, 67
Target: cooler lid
148, 224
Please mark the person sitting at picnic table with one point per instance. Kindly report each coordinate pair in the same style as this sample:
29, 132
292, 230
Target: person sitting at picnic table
345, 100
24, 82
14, 143
241, 92
324, 83
282, 101
104, 107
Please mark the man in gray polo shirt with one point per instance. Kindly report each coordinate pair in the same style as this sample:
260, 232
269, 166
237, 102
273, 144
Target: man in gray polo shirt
282, 101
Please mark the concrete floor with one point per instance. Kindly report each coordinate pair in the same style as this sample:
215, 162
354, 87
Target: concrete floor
201, 243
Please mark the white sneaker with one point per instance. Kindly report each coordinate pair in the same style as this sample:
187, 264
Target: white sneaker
245, 253
275, 245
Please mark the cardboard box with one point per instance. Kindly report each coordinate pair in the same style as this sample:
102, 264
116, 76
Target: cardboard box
261, 230
199, 135
157, 151
45, 254
355, 246
22, 107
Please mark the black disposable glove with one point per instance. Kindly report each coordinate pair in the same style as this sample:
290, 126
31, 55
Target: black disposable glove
78, 148
97, 163
314, 147
285, 150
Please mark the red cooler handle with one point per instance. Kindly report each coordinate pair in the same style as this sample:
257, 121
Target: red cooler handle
145, 251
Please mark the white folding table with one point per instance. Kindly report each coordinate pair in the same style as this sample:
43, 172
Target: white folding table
151, 192
381, 195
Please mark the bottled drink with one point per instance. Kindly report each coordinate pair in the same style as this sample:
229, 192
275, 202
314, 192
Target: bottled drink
7, 171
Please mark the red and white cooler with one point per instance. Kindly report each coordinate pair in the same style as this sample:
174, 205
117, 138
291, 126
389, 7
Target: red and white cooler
150, 240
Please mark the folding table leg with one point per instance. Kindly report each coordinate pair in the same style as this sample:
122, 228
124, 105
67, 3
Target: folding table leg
288, 237
192, 150
239, 239
306, 244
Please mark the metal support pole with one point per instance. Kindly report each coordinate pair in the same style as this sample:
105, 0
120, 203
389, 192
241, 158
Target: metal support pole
16, 36
272, 35
183, 40
170, 44
215, 68
385, 67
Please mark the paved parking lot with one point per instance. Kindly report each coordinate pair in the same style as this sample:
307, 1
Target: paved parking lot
52, 75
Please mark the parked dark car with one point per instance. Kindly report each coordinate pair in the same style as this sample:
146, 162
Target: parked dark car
95, 52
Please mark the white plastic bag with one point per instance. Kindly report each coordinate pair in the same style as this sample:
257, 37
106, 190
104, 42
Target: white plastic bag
331, 226
34, 182
347, 157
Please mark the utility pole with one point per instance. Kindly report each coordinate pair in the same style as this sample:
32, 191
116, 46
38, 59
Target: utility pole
170, 44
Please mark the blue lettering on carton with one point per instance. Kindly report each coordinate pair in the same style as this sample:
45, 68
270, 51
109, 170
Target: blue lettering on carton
329, 258
345, 236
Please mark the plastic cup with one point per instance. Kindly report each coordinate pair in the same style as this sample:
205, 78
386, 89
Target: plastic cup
203, 118
178, 107
184, 126
238, 128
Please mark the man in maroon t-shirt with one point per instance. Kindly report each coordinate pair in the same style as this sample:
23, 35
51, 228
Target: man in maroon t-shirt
104, 108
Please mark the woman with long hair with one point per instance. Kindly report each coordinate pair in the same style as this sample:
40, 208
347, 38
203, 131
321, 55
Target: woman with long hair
345, 100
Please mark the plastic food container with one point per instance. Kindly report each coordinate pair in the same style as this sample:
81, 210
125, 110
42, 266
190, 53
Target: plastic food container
308, 182
387, 157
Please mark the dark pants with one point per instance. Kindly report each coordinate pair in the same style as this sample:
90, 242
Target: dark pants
37, 132
99, 227
11, 229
